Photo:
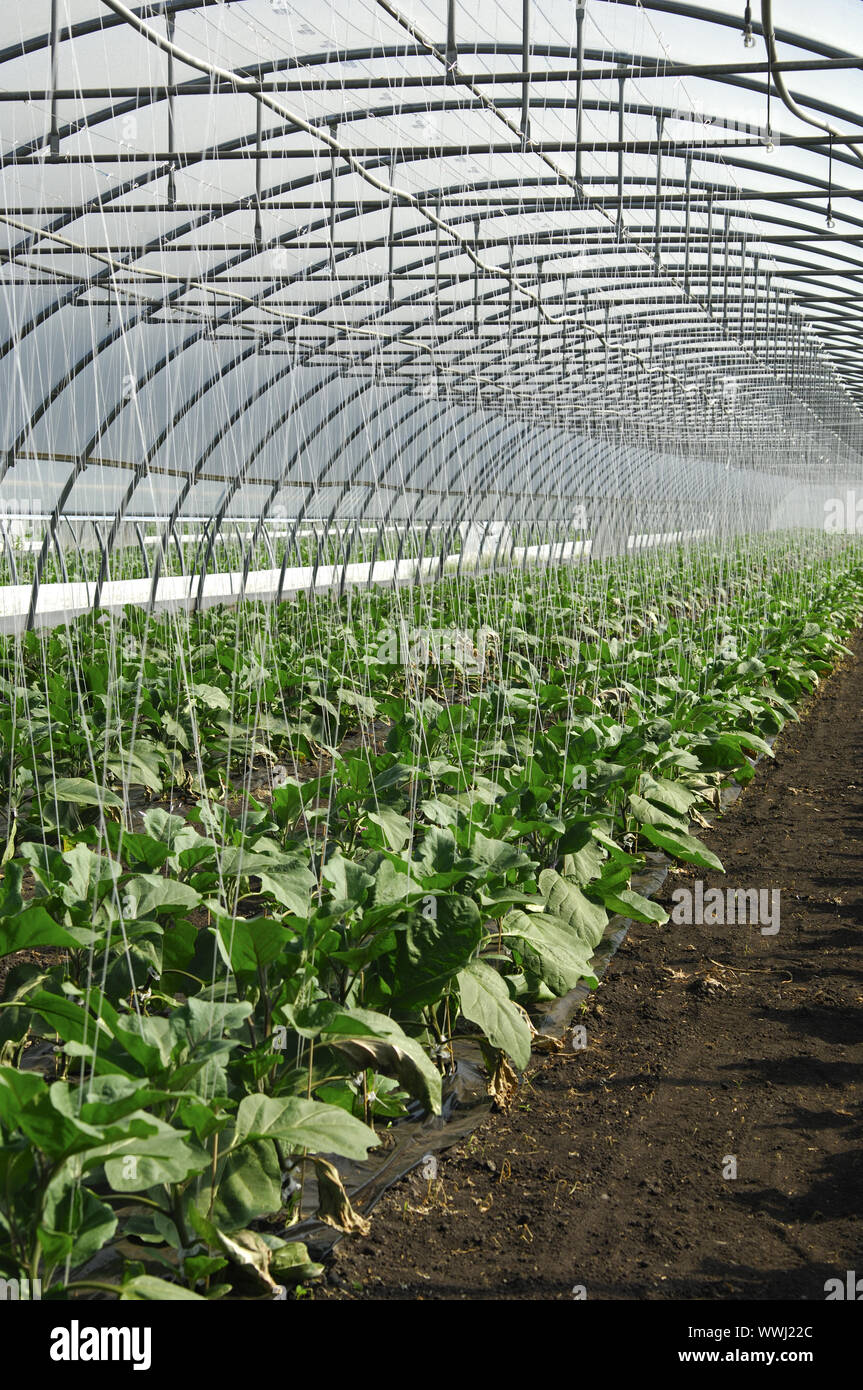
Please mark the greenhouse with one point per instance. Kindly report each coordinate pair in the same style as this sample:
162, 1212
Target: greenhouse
431, 484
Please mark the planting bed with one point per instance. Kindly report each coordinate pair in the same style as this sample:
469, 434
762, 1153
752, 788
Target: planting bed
702, 1042
268, 871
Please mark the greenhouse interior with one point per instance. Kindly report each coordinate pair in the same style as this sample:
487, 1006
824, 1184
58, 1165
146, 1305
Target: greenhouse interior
432, 482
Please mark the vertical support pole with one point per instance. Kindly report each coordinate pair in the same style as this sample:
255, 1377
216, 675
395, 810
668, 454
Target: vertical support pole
742, 285
54, 141
334, 128
710, 252
755, 304
511, 293
476, 277
657, 255
768, 285
451, 45
725, 273
579, 94
621, 85
688, 224
525, 67
564, 329
172, 189
539, 265
437, 260
258, 233
787, 365
390, 261
583, 302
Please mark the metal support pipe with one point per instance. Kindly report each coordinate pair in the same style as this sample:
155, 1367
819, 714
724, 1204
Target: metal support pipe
335, 130
169, 29
476, 277
657, 227
525, 67
437, 260
621, 85
725, 273
688, 223
392, 235
579, 86
258, 232
710, 252
510, 305
54, 140
451, 45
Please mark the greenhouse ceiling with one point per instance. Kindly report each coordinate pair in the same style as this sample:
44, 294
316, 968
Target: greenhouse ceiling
424, 260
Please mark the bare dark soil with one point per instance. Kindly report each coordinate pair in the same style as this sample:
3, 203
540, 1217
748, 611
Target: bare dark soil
704, 1043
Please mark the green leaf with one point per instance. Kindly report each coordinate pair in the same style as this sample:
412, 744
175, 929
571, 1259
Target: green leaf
248, 1187
75, 1224
290, 1263
80, 792
136, 1164
550, 950
646, 813
567, 901
663, 792
32, 927
146, 894
684, 847
584, 855
211, 696
432, 949
395, 827
631, 904
485, 1001
252, 943
373, 1040
292, 888
148, 1288
303, 1124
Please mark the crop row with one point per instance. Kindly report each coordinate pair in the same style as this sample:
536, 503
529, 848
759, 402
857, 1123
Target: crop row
262, 865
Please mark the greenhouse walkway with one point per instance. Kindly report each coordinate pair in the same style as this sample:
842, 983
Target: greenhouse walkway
711, 1050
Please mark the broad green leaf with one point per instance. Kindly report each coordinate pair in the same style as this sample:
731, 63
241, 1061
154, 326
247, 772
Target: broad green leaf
136, 1164
550, 949
434, 947
485, 1001
663, 792
148, 1288
211, 696
373, 1040
684, 847
80, 792
566, 900
75, 1224
303, 1124
291, 1263
32, 927
292, 888
250, 944
631, 904
396, 828
646, 813
146, 894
